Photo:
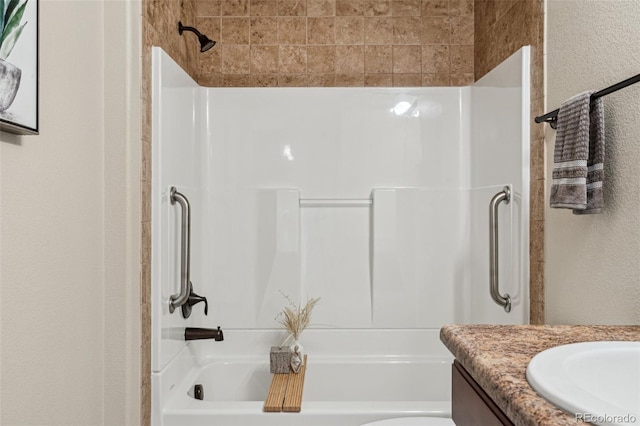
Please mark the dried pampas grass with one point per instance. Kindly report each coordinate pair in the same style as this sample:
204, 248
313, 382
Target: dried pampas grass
294, 318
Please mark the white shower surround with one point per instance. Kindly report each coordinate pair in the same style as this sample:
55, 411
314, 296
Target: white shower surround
410, 193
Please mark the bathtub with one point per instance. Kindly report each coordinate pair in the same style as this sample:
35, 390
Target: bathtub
353, 377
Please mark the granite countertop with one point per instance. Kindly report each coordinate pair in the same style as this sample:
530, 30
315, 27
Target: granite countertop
496, 356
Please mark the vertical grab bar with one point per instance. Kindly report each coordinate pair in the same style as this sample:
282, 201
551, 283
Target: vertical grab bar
504, 301
181, 298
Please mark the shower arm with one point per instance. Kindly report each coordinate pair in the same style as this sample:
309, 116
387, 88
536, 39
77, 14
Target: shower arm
504, 301
181, 298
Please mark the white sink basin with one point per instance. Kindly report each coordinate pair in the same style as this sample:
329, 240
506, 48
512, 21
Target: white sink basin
599, 381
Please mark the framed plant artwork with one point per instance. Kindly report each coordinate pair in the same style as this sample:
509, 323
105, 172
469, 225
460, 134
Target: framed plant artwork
19, 66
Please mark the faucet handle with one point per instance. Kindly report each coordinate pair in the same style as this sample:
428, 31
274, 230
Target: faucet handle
192, 300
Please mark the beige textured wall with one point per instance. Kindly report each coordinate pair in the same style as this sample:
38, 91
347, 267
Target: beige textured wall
337, 42
501, 28
593, 262
68, 256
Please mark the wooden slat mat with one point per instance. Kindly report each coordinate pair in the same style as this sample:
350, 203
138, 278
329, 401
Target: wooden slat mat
285, 392
293, 396
277, 390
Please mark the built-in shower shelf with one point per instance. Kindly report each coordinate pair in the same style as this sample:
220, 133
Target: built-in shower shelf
285, 392
335, 202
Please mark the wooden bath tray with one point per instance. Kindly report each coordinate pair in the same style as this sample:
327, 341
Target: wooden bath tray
285, 392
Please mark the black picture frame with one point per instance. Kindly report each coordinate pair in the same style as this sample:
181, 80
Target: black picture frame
19, 50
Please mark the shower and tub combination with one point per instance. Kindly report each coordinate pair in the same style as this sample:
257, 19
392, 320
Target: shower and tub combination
403, 209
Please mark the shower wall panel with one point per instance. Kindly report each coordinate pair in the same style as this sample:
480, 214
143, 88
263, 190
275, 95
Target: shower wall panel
500, 156
419, 256
177, 161
336, 264
338, 148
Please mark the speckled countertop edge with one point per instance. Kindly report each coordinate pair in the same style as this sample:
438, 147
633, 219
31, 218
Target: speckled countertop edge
497, 356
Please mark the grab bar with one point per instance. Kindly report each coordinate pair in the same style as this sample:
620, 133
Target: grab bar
504, 301
181, 298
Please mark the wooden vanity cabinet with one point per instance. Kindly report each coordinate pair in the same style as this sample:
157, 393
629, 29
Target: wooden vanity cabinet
470, 405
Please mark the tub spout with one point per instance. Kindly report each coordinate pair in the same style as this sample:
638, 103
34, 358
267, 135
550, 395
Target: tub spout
192, 333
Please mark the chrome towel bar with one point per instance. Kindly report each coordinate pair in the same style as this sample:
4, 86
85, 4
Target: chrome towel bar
181, 298
504, 301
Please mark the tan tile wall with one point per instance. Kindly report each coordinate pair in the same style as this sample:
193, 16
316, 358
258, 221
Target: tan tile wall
501, 28
160, 28
336, 42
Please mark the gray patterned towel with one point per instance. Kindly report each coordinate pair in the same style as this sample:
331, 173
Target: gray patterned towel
579, 156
